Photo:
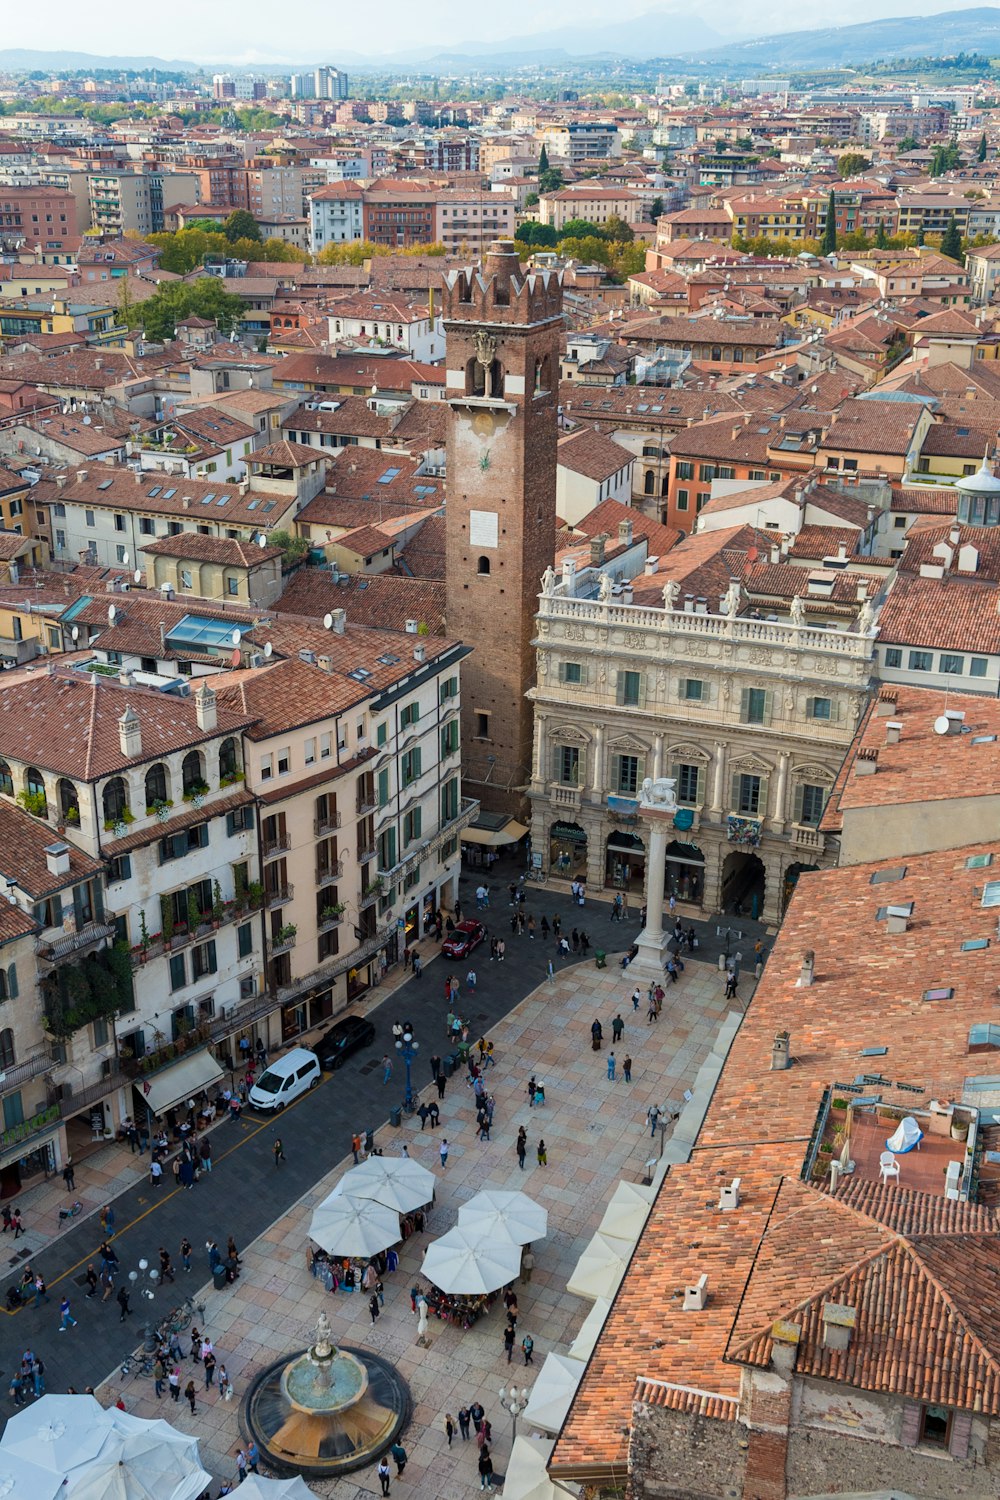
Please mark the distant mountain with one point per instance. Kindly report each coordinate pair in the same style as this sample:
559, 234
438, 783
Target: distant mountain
835, 46
657, 33
26, 60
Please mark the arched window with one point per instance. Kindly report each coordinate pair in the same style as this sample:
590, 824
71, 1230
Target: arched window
192, 775
156, 784
8, 982
6, 1048
649, 483
227, 759
115, 798
483, 565
716, 353
665, 485
35, 787
475, 378
69, 802
737, 356
6, 779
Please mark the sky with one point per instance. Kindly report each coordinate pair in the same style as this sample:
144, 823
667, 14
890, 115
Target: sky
248, 32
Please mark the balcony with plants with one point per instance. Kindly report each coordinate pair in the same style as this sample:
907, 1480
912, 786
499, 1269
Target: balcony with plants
185, 919
98, 987
282, 941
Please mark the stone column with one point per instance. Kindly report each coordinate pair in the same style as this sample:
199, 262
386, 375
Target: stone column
718, 779
652, 940
657, 770
597, 769
780, 793
541, 748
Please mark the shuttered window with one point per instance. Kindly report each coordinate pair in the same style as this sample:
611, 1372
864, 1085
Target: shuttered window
755, 706
809, 803
626, 773
748, 795
688, 778
631, 689
566, 765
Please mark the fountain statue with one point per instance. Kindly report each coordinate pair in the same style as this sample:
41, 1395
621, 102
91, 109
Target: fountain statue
327, 1410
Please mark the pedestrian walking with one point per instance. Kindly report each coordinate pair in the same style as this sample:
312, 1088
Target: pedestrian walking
90, 1277
66, 1318
418, 966
159, 1375
528, 1349
443, 1153
16, 1221
155, 1173
501, 950
477, 1414
433, 1113
241, 1465
38, 1376
166, 1267
253, 1457
617, 1028
186, 1253
386, 1068
278, 1150
611, 1067
449, 1427
107, 1221
652, 1119
356, 1147
522, 1146
384, 1475
731, 983
464, 1422
205, 1154
190, 1393
551, 973
123, 1303
627, 1069
41, 1295
543, 1155
527, 1264
373, 1307
508, 1341
225, 1386
17, 1389
636, 997
210, 1364
435, 1067
68, 1177
485, 1470
399, 1457
174, 1382
470, 979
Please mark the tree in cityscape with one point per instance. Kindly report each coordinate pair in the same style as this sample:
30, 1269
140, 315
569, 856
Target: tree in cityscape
881, 241
951, 241
981, 153
205, 298
617, 231
656, 209
828, 244
531, 232
852, 164
578, 229
543, 160
241, 225
908, 143
945, 159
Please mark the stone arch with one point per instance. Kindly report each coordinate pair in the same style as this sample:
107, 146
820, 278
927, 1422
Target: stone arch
114, 800
649, 483
157, 784
744, 883
483, 567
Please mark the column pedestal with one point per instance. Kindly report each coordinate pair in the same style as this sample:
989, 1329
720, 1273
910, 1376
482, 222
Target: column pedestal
652, 940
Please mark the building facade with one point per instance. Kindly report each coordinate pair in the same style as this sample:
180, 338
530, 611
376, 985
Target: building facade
751, 719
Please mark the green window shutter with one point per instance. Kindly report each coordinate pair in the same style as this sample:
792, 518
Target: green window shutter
619, 687
416, 762
416, 820
797, 807
768, 705
642, 690
383, 787
12, 981
734, 791
380, 735
616, 772
744, 704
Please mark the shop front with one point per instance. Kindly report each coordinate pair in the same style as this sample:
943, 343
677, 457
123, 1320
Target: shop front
685, 872
161, 1093
625, 862
309, 1010
567, 850
29, 1151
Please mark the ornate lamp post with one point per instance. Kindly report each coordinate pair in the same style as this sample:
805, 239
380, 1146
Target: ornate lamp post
408, 1049
514, 1401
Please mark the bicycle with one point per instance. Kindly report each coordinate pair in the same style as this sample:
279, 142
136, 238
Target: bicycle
136, 1364
71, 1212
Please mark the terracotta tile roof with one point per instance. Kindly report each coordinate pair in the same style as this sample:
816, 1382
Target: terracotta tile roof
188, 817
383, 600
928, 533
822, 541
702, 564
67, 722
284, 455
353, 417
924, 499
593, 455
872, 427
129, 491
212, 549
779, 581
424, 557
608, 516
961, 616
24, 840
369, 474
287, 694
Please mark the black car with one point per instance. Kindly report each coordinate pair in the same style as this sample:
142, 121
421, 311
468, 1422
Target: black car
343, 1038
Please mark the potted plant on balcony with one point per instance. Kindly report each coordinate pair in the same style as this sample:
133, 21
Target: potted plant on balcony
959, 1127
231, 778
285, 935
255, 893
34, 803
374, 887
196, 789
72, 817
218, 905
143, 937
330, 913
194, 915
167, 919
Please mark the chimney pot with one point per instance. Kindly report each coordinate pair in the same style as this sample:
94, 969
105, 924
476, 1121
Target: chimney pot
893, 730
781, 1056
729, 1196
898, 917
696, 1296
838, 1325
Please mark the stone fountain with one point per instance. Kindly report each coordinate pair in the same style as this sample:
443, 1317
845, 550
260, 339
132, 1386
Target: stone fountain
326, 1410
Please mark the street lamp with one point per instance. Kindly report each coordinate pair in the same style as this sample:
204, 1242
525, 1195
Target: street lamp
148, 1333
408, 1049
514, 1401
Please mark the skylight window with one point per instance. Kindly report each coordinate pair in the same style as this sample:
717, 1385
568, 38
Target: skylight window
169, 494
387, 660
360, 674
105, 484
974, 945
978, 861
991, 893
222, 500
207, 499
883, 877
389, 476
983, 739
942, 992
155, 491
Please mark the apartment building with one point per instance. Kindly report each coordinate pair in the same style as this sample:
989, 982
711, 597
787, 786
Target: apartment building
37, 215
399, 213
467, 221
354, 760
750, 718
148, 949
580, 141
274, 190
375, 318
336, 215
128, 200
594, 204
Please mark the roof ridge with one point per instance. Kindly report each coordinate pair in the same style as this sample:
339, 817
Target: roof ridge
92, 725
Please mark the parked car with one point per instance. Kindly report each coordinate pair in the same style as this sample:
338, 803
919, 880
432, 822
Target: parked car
460, 943
285, 1079
343, 1038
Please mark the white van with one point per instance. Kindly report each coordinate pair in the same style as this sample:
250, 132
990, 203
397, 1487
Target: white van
285, 1079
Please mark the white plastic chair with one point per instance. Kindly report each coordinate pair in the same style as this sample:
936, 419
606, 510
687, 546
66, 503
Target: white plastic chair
888, 1167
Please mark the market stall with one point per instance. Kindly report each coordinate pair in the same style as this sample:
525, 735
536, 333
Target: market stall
511, 1215
553, 1392
348, 1226
601, 1267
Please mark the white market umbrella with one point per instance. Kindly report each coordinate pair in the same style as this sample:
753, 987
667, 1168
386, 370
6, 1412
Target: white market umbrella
19, 1477
353, 1226
395, 1181
552, 1393
626, 1214
582, 1346
526, 1477
59, 1433
601, 1267
142, 1465
462, 1262
512, 1214
255, 1487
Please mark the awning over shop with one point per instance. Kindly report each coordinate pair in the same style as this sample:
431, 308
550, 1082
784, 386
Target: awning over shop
182, 1080
494, 838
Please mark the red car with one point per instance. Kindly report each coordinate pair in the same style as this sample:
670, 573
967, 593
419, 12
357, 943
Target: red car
460, 943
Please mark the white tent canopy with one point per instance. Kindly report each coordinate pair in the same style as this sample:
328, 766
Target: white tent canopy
526, 1477
255, 1487
353, 1226
513, 1215
59, 1432
553, 1392
395, 1181
582, 1346
628, 1210
19, 1477
601, 1267
462, 1262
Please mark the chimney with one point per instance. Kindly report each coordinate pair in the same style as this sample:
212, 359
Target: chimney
729, 1196
81, 475
130, 734
411, 627
625, 533
596, 551
325, 663
340, 619
652, 563
60, 481
627, 593
897, 918
205, 710
696, 1296
838, 1324
569, 576
420, 653
785, 1336
866, 762
57, 858
807, 972
886, 704
775, 554
781, 1052
893, 730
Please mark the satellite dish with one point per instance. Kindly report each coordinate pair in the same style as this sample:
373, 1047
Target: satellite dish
125, 559
328, 622
137, 575
235, 659
237, 637
268, 648
75, 632
86, 421
112, 614
262, 541
942, 724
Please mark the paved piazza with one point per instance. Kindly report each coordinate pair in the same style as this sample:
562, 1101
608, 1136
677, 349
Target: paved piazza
595, 1132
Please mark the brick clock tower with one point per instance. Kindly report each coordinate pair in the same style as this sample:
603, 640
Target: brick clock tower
503, 328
